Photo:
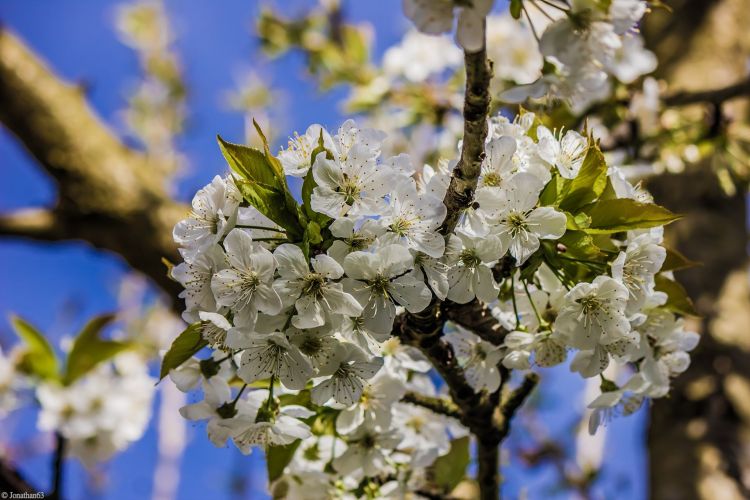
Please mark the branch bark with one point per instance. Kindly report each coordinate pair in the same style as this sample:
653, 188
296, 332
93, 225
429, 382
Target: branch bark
108, 195
714, 96
460, 192
441, 406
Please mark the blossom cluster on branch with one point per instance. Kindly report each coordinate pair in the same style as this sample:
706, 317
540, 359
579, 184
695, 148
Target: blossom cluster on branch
298, 301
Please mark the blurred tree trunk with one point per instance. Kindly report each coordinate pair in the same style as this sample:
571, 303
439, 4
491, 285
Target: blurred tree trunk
699, 437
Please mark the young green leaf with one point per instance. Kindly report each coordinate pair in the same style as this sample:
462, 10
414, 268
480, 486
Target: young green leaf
676, 261
250, 163
189, 342
271, 203
590, 182
39, 358
624, 214
89, 349
677, 298
515, 8
278, 457
450, 469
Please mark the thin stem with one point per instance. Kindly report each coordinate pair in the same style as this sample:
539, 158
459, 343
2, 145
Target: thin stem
270, 239
263, 228
57, 467
239, 394
513, 297
531, 24
542, 323
544, 12
547, 2
270, 393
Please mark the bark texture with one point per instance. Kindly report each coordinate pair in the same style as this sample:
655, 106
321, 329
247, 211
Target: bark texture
699, 437
109, 195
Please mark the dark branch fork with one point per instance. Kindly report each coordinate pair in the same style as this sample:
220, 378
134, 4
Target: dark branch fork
483, 413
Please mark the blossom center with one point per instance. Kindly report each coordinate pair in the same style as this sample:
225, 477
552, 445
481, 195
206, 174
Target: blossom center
469, 258
313, 284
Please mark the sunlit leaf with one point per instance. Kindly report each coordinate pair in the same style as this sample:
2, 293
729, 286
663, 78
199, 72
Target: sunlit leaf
39, 358
189, 342
89, 349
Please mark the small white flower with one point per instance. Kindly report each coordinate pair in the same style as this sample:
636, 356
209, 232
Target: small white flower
468, 274
214, 211
594, 313
436, 16
380, 281
270, 355
281, 427
520, 225
479, 358
566, 154
245, 286
195, 276
352, 237
414, 219
425, 434
354, 186
348, 368
636, 268
368, 450
375, 404
313, 294
296, 159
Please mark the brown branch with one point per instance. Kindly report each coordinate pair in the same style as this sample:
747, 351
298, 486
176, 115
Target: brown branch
715, 96
460, 192
34, 223
442, 406
108, 195
513, 402
477, 317
12, 481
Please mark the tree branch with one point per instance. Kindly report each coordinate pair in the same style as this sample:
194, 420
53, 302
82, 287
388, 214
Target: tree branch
108, 194
34, 223
715, 96
442, 406
460, 192
513, 402
477, 317
12, 481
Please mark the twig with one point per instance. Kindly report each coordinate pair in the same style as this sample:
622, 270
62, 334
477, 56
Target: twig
442, 406
58, 473
513, 402
716, 96
460, 192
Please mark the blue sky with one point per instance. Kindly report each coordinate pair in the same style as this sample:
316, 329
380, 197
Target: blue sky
59, 286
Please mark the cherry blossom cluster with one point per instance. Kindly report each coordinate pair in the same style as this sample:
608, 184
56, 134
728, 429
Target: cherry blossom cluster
101, 413
585, 44
301, 327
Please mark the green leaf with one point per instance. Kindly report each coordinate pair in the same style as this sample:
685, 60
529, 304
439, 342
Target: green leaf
676, 261
577, 222
515, 8
89, 349
271, 203
189, 342
551, 191
263, 183
624, 214
39, 358
677, 298
580, 245
590, 182
250, 163
450, 469
278, 457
